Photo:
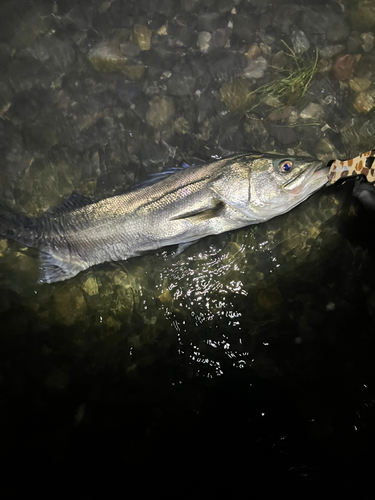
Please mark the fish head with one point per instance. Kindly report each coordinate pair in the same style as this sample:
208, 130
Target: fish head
279, 183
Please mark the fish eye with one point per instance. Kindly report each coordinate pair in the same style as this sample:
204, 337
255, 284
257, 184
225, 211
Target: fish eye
285, 166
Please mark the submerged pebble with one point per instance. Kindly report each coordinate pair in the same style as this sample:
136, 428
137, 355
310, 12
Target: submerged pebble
343, 67
312, 112
364, 101
255, 68
359, 84
70, 304
367, 41
362, 15
204, 39
299, 41
142, 36
161, 110
105, 57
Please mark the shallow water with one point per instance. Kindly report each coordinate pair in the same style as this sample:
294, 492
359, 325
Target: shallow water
244, 362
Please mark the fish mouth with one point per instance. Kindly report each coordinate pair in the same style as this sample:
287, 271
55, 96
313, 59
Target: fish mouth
309, 180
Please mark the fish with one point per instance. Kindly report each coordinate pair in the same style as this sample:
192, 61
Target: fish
175, 209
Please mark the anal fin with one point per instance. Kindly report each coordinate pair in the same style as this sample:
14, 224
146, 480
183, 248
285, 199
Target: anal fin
183, 246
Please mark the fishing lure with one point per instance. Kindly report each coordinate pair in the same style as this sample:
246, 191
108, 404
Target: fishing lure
360, 165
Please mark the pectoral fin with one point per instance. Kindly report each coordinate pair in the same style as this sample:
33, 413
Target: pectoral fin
203, 215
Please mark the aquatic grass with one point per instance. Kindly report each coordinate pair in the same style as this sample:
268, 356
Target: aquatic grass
290, 89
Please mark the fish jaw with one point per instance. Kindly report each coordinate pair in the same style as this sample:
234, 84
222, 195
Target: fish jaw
309, 181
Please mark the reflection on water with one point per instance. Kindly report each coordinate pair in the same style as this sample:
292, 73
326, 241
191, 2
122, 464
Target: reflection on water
248, 355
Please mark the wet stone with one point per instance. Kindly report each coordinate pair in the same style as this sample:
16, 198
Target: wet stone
124, 301
121, 36
365, 102
5, 98
130, 49
52, 52
331, 50
343, 67
324, 148
362, 15
338, 32
299, 41
70, 305
90, 286
24, 77
224, 66
160, 112
220, 37
244, 27
142, 36
181, 125
256, 68
353, 43
266, 37
112, 323
154, 155
208, 22
284, 135
134, 71
367, 40
204, 39
225, 5
185, 37
366, 131
190, 5
46, 184
106, 58
312, 112
33, 24
129, 93
3, 246
324, 66
180, 85
359, 84
280, 115
253, 52
256, 134
231, 139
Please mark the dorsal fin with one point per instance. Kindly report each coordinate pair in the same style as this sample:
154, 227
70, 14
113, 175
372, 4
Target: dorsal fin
74, 201
154, 178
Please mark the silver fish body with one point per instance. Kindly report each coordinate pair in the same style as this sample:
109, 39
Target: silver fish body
192, 203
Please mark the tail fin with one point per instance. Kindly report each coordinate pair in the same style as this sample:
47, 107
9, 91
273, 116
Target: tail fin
18, 227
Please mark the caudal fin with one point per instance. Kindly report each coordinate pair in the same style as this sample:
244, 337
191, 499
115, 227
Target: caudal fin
55, 264
18, 227
54, 268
